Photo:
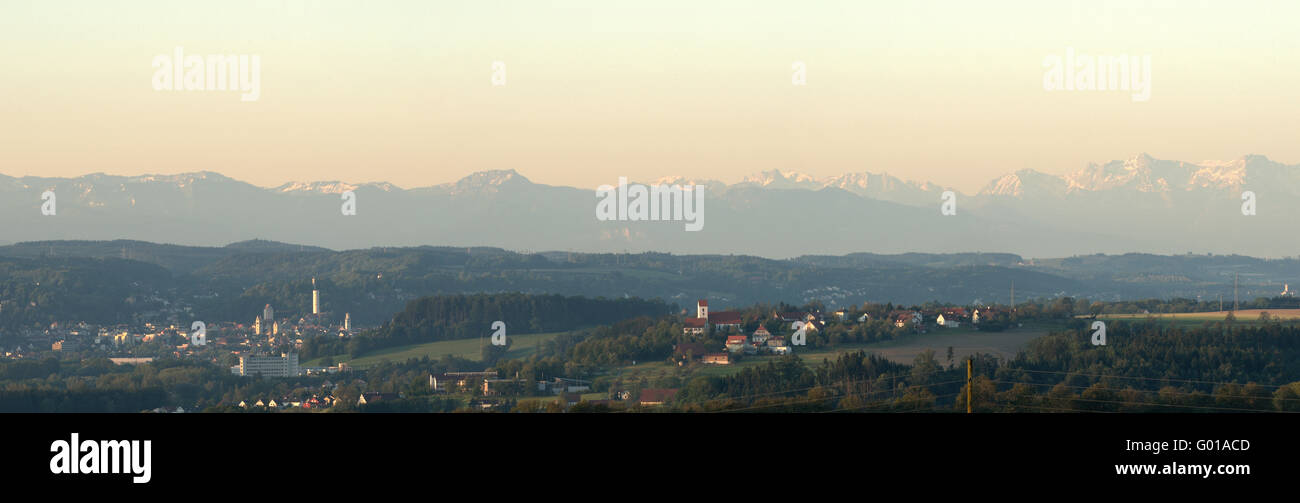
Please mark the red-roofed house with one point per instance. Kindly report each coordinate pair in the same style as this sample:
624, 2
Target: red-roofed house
727, 320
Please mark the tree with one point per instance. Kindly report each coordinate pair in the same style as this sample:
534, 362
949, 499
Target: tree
983, 395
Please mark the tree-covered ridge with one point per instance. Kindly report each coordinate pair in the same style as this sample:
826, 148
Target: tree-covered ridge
40, 292
459, 316
447, 317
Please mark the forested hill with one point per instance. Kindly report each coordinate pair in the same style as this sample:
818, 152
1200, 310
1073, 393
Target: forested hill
460, 316
447, 317
232, 283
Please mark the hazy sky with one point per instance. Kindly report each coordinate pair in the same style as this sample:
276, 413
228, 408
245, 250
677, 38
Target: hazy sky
950, 92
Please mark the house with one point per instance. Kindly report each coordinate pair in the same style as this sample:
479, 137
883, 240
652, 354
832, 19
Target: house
377, 397
793, 316
695, 326
808, 326
983, 314
761, 335
655, 396
689, 351
902, 318
564, 385
717, 359
736, 343
842, 314
951, 322
438, 382
955, 313
726, 320
777, 346
497, 386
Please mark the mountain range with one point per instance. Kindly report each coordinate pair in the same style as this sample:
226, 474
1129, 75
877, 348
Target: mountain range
1140, 204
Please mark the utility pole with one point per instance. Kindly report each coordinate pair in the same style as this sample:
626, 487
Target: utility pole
968, 385
1234, 293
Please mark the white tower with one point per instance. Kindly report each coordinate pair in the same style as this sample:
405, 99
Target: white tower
268, 314
257, 326
315, 298
702, 309
347, 321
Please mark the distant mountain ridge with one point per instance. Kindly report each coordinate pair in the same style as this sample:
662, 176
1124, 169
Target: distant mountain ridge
1140, 204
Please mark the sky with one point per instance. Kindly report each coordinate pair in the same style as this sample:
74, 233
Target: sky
403, 92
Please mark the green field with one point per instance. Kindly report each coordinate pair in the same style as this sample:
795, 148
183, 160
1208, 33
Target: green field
964, 342
520, 346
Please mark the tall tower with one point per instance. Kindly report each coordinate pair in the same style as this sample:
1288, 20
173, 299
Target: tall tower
702, 309
315, 298
268, 314
347, 321
257, 326
1234, 292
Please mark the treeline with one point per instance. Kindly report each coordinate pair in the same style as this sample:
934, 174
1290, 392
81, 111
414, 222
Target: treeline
448, 317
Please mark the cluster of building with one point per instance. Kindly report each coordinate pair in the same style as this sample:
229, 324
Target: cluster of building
282, 403
268, 334
762, 341
948, 317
